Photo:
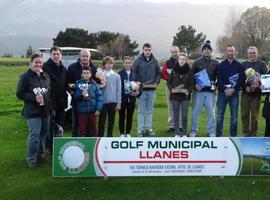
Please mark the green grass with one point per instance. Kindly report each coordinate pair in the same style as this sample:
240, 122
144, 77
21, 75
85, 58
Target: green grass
19, 182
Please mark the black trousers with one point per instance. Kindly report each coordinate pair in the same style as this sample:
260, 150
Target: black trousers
108, 109
125, 117
267, 128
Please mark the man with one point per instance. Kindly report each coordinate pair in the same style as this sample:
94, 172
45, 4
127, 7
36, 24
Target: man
73, 74
204, 97
147, 71
165, 73
57, 73
251, 95
230, 79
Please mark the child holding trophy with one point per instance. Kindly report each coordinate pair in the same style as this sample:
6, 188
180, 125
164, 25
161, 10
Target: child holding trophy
130, 90
89, 103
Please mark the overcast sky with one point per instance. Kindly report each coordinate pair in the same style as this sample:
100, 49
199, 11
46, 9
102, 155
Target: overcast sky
36, 22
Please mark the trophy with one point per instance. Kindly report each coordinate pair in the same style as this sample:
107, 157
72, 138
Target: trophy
40, 92
84, 86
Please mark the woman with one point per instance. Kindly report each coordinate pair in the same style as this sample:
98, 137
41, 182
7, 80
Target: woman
34, 90
180, 84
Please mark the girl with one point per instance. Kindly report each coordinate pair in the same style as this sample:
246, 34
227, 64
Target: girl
180, 84
128, 98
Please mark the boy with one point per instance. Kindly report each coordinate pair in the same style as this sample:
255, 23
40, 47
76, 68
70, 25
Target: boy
112, 97
89, 103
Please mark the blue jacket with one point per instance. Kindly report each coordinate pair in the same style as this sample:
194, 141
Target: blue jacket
230, 74
95, 103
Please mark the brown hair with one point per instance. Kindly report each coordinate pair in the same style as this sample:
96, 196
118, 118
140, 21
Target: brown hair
127, 58
107, 59
147, 45
55, 48
34, 56
86, 68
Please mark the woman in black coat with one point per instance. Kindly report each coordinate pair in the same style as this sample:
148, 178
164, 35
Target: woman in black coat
34, 90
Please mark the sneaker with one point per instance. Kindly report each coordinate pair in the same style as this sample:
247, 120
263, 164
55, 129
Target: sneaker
212, 135
139, 134
128, 135
32, 165
122, 135
170, 130
150, 132
184, 135
192, 135
177, 136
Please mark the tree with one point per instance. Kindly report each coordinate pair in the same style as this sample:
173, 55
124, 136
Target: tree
256, 23
108, 43
119, 47
29, 52
188, 39
251, 28
73, 37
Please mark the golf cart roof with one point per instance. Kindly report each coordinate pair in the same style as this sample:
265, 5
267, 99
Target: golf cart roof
68, 49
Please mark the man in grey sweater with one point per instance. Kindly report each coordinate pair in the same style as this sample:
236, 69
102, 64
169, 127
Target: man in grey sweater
251, 95
147, 71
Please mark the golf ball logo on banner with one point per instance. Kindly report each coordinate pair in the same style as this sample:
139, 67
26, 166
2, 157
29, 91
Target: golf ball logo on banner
73, 158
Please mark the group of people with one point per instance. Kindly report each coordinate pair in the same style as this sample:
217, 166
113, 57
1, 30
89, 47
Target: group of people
98, 93
226, 80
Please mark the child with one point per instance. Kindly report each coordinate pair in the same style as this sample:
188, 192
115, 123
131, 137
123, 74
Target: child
112, 97
89, 103
180, 84
130, 89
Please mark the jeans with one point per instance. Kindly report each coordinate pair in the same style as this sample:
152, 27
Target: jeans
145, 110
125, 117
38, 131
221, 108
207, 100
170, 111
108, 109
183, 107
59, 119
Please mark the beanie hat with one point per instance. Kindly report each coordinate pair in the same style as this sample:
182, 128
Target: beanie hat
207, 44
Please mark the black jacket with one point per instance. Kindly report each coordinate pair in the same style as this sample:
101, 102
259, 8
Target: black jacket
211, 67
58, 83
181, 77
266, 108
25, 91
75, 69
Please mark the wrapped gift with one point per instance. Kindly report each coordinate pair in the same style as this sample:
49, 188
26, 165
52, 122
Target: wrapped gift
101, 77
253, 78
202, 79
232, 81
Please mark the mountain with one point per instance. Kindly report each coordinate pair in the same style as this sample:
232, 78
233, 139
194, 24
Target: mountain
35, 23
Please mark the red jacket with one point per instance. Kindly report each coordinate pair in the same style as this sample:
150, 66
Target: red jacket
169, 64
